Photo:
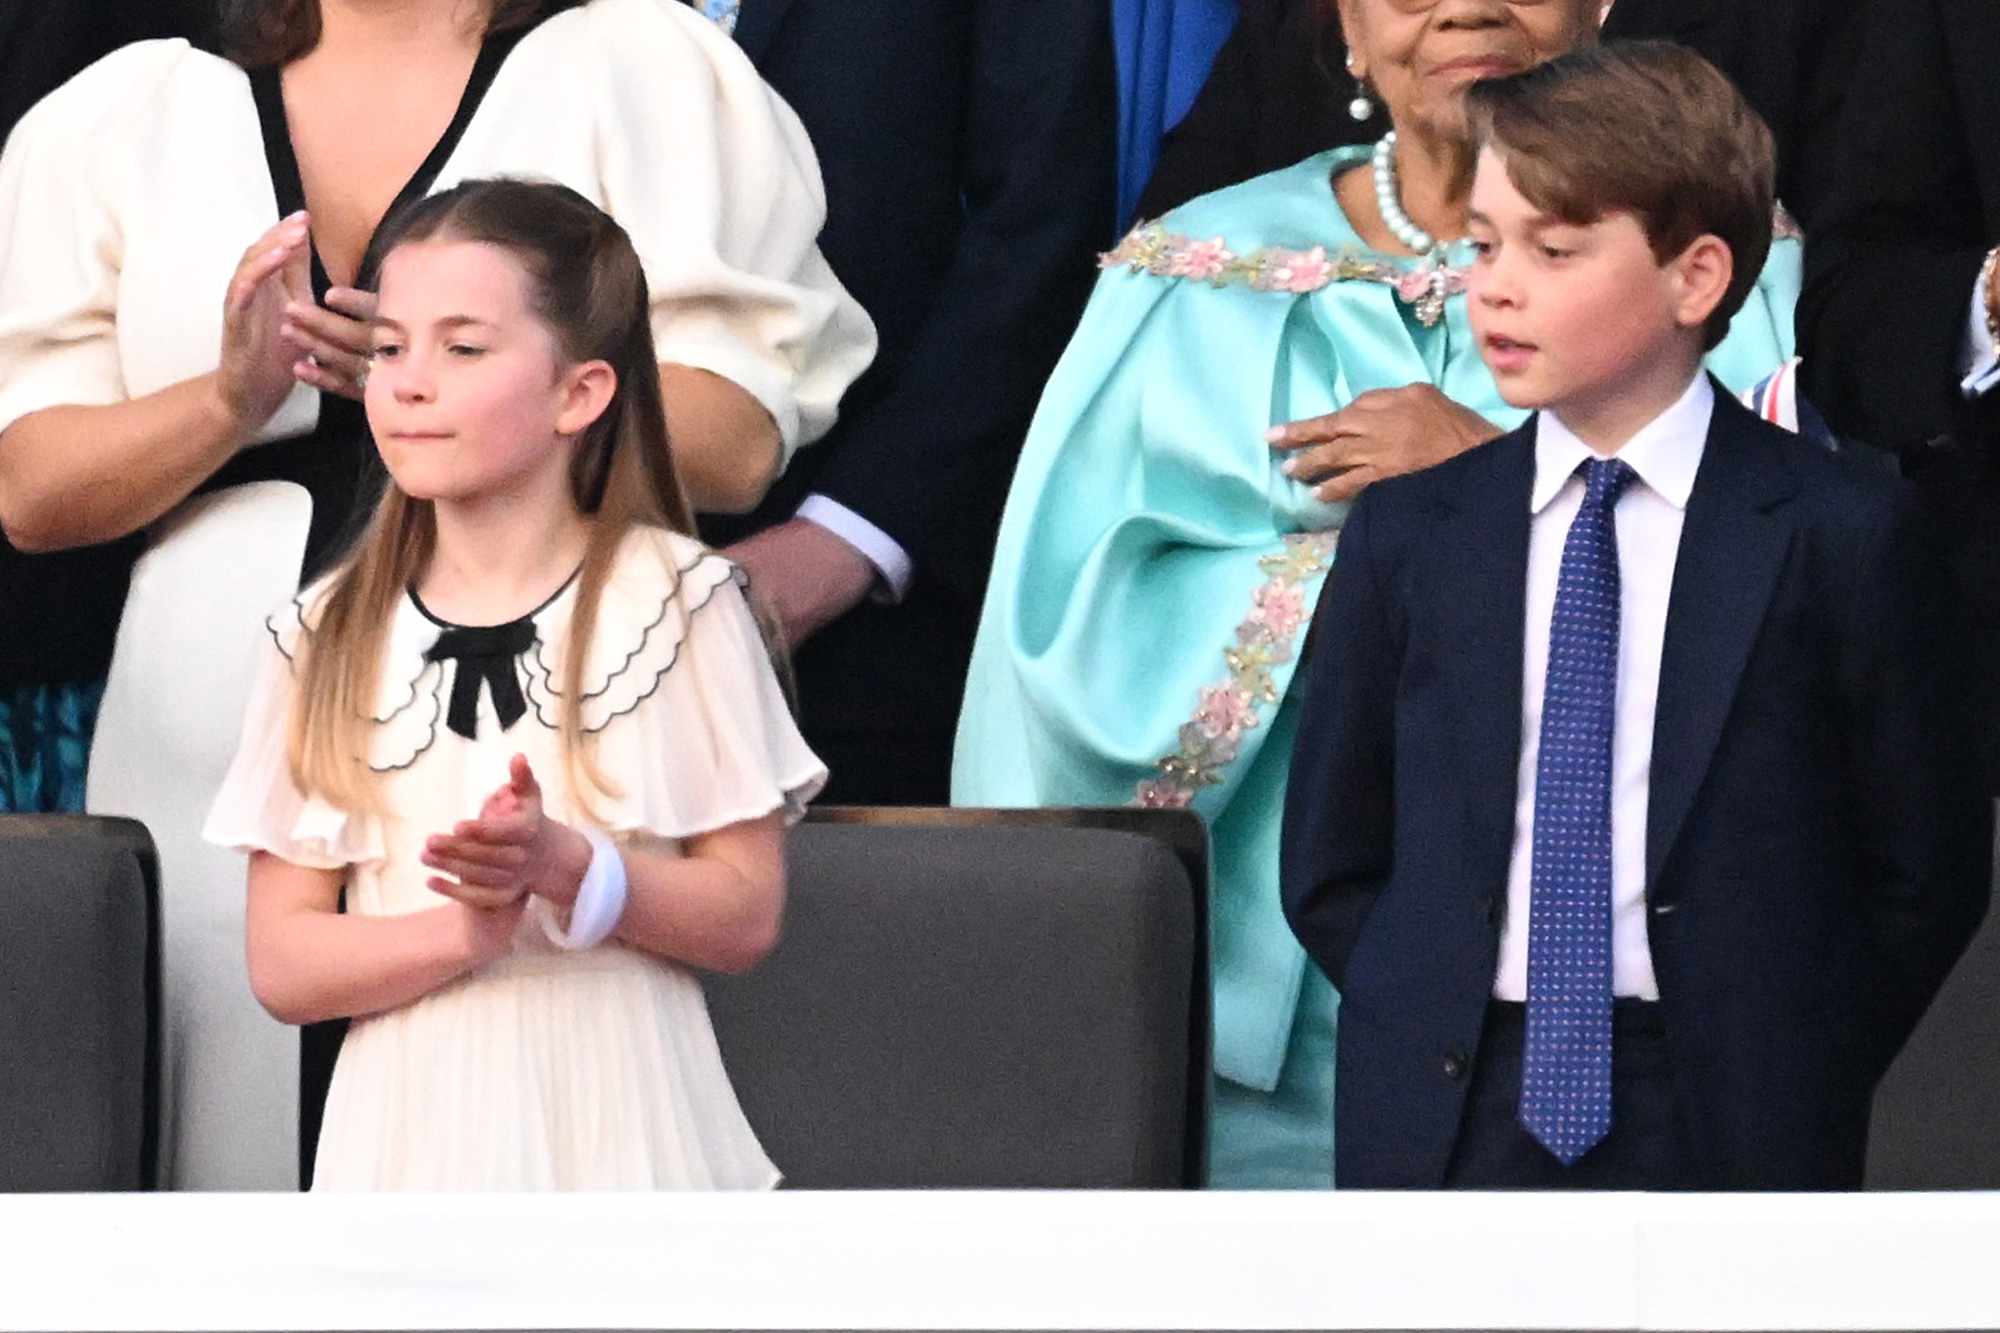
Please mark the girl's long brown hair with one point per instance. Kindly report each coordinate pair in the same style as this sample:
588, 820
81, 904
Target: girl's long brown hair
586, 286
260, 33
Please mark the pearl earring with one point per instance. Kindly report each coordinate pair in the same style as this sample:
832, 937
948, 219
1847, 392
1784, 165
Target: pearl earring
1363, 106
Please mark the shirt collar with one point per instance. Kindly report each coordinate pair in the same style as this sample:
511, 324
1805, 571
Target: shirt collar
1665, 453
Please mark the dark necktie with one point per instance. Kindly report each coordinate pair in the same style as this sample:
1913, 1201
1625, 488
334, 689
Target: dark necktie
1566, 1067
486, 654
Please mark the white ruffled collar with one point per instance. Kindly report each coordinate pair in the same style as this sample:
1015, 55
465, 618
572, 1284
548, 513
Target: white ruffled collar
658, 583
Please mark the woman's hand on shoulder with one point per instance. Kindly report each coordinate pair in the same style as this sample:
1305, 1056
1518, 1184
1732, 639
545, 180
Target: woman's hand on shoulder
256, 370
511, 850
1382, 433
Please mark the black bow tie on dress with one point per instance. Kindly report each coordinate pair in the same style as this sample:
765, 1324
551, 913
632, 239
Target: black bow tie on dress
487, 654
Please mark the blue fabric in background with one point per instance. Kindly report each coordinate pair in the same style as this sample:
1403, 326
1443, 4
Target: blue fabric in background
1164, 50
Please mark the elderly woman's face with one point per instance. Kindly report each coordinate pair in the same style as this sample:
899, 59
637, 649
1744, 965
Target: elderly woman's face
1421, 55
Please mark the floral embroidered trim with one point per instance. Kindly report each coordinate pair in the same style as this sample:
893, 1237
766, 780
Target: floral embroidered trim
1213, 738
1153, 249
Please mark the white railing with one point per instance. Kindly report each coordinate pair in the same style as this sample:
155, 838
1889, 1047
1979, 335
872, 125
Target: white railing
1031, 1260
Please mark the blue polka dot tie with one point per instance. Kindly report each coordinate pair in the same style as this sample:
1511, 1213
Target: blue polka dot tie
1566, 1068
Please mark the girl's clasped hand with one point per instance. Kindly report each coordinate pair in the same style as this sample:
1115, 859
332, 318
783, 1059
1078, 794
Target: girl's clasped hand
513, 849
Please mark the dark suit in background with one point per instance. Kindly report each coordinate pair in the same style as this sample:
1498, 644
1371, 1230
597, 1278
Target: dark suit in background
1279, 90
1277, 94
44, 42
1890, 273
1816, 849
968, 148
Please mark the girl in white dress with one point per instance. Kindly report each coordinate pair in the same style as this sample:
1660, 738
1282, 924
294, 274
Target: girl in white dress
532, 726
220, 441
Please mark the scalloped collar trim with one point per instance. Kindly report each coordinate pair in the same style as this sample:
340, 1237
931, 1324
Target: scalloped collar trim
658, 584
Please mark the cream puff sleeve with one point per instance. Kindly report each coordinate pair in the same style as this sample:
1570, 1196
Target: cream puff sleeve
61, 240
714, 178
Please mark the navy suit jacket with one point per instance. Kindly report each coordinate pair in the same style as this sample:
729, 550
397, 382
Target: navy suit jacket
1817, 843
969, 153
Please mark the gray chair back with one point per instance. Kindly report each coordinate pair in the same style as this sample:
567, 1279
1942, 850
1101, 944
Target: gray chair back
79, 1003
981, 999
1937, 1112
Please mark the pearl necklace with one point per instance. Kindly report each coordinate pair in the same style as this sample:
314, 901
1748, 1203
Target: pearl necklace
1433, 280
1393, 217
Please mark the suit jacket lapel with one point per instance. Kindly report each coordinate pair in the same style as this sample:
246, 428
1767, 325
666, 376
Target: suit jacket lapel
1733, 545
757, 22
1479, 591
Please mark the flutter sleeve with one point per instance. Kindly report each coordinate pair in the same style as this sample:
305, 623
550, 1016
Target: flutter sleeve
714, 178
260, 808
681, 699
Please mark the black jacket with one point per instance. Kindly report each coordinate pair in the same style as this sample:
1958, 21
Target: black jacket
43, 42
1890, 272
968, 148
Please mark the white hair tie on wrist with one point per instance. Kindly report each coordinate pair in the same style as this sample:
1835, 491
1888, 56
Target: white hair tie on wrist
600, 899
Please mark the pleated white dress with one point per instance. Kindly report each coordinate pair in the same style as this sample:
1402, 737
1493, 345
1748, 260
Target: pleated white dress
545, 1069
127, 197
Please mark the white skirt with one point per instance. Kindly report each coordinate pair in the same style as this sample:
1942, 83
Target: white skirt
543, 1071
189, 642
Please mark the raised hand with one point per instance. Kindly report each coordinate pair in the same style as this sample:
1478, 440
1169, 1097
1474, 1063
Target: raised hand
255, 373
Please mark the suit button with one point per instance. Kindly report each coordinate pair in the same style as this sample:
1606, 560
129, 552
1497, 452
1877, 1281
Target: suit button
1489, 908
1454, 1064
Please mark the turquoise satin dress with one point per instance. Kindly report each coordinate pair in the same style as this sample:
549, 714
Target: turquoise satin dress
1156, 572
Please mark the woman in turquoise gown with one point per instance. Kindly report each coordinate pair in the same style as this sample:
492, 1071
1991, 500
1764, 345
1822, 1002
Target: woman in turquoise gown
1157, 568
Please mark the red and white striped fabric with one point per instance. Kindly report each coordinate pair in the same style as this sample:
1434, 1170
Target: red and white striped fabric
1776, 398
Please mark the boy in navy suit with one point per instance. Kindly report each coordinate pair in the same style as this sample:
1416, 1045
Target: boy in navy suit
1633, 811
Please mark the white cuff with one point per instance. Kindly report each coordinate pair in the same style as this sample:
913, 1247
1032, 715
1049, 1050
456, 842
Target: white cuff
600, 899
1979, 362
891, 561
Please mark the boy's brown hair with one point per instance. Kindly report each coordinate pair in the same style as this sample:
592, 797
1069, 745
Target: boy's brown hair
1646, 128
